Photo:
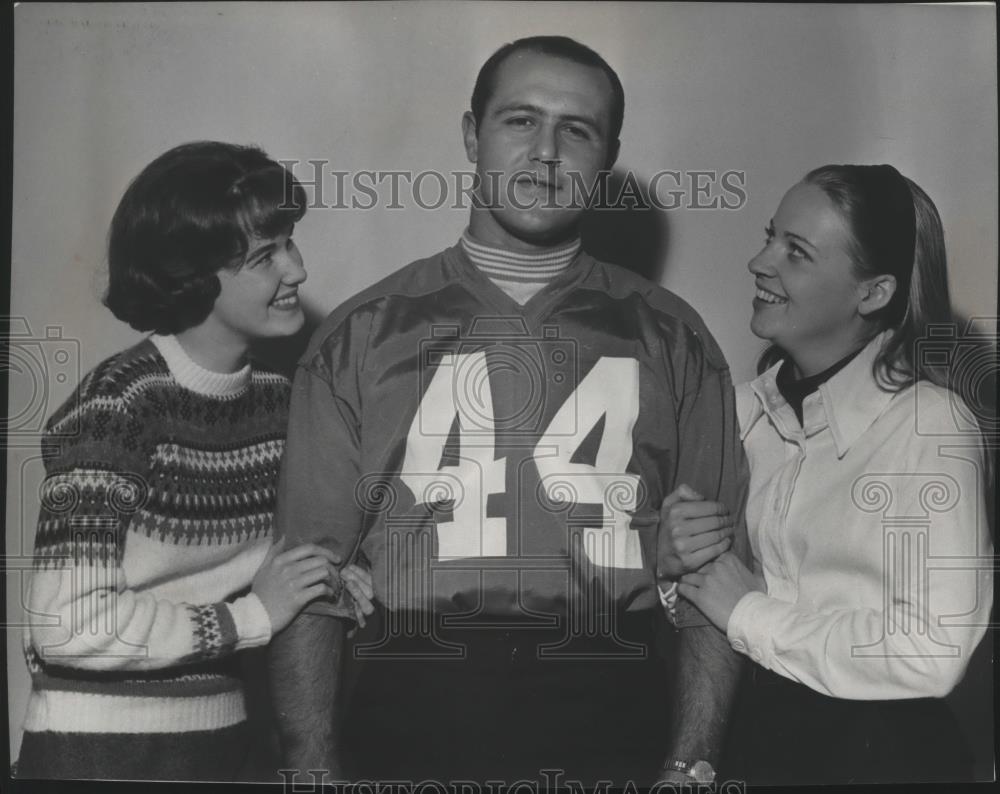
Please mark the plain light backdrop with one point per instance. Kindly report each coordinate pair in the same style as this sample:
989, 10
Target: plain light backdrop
769, 90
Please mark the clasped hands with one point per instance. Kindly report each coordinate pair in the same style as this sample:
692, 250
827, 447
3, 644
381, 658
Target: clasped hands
693, 545
291, 577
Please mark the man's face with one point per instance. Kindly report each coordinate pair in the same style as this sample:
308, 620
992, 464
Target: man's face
545, 127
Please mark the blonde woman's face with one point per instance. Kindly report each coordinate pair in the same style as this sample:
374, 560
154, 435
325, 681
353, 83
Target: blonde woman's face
808, 296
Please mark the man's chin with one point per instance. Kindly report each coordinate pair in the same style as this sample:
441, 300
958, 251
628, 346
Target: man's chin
544, 227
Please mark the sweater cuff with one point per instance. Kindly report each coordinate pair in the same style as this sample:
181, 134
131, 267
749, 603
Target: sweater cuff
253, 625
750, 627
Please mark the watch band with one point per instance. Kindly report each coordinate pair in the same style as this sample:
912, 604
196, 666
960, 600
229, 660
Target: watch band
698, 771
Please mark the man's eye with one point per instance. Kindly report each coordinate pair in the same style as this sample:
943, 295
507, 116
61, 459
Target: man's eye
519, 121
578, 132
796, 252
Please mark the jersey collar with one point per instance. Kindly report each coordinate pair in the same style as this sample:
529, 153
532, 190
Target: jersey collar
460, 267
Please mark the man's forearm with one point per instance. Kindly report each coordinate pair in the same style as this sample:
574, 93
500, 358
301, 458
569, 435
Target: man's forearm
707, 674
304, 663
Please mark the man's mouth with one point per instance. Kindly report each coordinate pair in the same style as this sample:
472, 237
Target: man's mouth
536, 181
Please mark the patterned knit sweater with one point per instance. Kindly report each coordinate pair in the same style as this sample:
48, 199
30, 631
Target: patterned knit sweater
156, 513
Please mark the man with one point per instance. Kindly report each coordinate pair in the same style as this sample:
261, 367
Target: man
483, 425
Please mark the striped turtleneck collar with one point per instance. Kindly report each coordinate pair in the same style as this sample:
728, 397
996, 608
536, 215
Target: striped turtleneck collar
537, 268
195, 377
520, 275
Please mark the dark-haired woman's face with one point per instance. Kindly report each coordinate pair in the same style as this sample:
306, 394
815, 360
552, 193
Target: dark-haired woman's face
259, 299
807, 293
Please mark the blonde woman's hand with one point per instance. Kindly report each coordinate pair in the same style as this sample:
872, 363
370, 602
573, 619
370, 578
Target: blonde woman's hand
692, 531
718, 587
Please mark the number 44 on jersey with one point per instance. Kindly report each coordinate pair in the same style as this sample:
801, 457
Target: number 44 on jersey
609, 391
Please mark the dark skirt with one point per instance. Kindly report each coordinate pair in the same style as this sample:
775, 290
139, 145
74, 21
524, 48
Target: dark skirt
507, 711
220, 755
785, 733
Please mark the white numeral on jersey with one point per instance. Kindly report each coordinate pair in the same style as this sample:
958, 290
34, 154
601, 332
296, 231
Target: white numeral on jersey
477, 474
611, 390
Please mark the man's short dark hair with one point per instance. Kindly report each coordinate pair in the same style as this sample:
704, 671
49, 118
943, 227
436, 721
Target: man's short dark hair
188, 214
559, 47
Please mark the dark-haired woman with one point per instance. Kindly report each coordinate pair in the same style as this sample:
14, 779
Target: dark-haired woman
153, 555
866, 512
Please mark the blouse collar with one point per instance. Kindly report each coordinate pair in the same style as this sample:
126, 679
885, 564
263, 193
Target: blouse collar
849, 402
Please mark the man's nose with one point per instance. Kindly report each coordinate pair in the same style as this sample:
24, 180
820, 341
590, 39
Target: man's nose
545, 148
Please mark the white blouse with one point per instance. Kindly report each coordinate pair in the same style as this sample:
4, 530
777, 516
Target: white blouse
869, 522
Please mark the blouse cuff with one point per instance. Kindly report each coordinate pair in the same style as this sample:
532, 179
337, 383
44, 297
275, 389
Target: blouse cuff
750, 628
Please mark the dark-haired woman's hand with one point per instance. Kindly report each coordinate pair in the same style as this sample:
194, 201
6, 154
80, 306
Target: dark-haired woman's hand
288, 580
358, 581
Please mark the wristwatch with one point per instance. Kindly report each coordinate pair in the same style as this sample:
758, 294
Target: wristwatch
698, 771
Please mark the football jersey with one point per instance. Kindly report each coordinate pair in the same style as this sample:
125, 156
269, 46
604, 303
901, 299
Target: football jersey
486, 457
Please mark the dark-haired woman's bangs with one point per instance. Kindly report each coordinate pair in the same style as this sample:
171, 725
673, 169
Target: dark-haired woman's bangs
272, 200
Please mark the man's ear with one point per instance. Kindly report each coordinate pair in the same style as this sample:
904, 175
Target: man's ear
469, 135
613, 150
876, 294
